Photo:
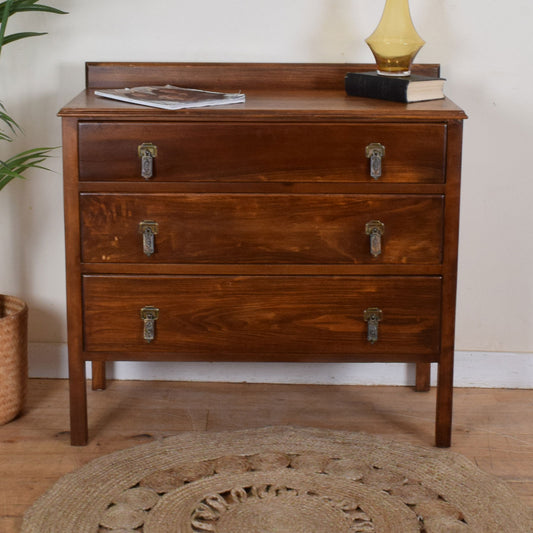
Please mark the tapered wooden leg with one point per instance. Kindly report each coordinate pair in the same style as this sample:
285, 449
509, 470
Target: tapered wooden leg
423, 377
99, 379
443, 425
79, 433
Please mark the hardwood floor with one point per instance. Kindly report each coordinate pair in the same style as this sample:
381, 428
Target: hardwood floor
494, 428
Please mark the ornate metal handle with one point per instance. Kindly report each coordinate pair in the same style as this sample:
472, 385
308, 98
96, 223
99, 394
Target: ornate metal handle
372, 316
375, 152
149, 315
147, 152
375, 229
149, 229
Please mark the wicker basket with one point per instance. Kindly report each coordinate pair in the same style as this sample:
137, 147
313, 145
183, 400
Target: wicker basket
13, 356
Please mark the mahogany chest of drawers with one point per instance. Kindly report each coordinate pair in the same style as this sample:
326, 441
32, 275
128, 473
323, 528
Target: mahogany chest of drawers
302, 225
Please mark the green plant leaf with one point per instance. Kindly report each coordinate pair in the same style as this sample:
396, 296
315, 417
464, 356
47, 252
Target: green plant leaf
45, 9
19, 6
5, 9
10, 123
16, 166
16, 36
11, 7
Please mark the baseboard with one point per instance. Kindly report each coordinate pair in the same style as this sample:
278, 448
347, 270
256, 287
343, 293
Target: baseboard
472, 369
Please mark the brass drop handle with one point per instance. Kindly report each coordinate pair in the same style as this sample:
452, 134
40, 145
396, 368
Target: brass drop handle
147, 152
372, 316
375, 152
148, 229
375, 229
149, 315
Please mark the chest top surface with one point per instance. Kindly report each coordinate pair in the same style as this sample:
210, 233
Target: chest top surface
273, 92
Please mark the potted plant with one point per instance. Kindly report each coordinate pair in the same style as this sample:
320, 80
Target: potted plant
14, 311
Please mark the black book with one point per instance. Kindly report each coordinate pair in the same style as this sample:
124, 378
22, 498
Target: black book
413, 88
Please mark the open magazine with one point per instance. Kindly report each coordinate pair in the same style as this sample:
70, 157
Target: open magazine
171, 97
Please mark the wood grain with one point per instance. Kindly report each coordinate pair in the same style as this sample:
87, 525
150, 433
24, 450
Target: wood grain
261, 152
231, 76
261, 253
262, 318
493, 428
261, 228
78, 397
443, 422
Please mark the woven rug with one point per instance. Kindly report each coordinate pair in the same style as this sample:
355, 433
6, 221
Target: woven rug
278, 480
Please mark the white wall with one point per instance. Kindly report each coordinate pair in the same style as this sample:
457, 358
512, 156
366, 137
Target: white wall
485, 51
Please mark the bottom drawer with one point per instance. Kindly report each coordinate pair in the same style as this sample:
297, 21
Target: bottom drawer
262, 317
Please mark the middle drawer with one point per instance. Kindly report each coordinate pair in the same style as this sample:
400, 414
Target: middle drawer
261, 228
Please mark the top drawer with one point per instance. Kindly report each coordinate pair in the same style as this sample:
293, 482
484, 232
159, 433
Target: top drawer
238, 152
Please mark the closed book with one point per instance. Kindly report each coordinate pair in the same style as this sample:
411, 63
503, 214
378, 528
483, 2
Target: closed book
413, 88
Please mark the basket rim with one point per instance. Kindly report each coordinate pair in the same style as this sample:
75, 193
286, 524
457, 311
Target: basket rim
11, 306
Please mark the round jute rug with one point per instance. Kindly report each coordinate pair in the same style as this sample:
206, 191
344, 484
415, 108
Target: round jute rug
278, 480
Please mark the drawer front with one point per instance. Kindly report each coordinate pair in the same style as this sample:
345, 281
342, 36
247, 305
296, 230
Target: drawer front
414, 153
257, 317
262, 228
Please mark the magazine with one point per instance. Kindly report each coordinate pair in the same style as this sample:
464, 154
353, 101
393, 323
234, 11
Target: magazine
171, 97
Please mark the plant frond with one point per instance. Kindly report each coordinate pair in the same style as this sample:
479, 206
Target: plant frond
11, 7
46, 9
9, 122
20, 6
16, 36
15, 167
5, 10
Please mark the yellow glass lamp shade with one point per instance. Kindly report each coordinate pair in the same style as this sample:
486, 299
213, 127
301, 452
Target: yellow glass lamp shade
395, 42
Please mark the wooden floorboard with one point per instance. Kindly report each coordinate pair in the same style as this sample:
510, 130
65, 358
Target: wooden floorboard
493, 428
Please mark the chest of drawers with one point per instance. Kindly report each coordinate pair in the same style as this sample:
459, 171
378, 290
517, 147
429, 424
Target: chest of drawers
303, 225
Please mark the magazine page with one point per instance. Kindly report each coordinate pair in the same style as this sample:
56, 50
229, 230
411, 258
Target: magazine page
171, 97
